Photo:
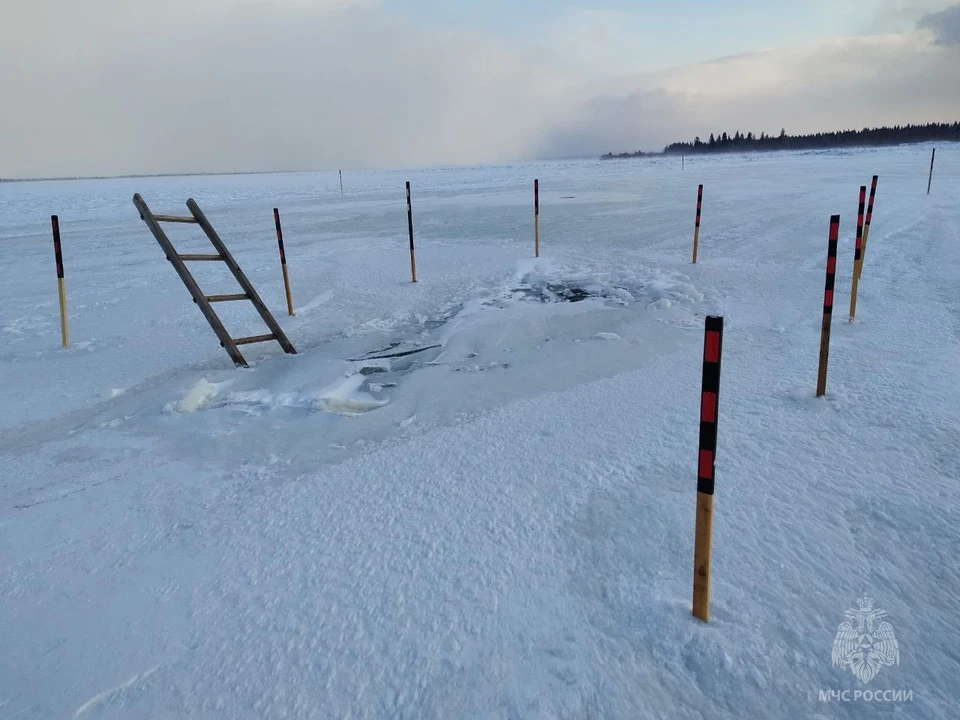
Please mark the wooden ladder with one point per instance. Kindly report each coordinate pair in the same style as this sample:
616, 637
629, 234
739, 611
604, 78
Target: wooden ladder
204, 302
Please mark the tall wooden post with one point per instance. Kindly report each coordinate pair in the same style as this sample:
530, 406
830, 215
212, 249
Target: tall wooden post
709, 397
857, 254
866, 223
696, 227
61, 287
536, 218
413, 259
283, 261
828, 304
933, 156
341, 184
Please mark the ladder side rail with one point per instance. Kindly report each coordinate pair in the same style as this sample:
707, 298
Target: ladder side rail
188, 280
248, 288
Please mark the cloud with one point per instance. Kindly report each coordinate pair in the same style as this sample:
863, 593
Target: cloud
134, 86
196, 86
854, 17
945, 26
841, 83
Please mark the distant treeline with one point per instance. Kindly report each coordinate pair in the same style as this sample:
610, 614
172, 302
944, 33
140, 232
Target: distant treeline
868, 137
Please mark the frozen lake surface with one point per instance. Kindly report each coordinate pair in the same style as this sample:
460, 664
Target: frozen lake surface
501, 526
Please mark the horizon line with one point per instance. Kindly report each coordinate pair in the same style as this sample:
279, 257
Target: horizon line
128, 176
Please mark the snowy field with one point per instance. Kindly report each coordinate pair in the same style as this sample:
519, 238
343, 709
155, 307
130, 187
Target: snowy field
500, 527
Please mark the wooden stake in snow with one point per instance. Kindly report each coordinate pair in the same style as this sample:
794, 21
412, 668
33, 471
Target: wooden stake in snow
696, 227
283, 261
536, 218
933, 156
866, 223
712, 349
413, 259
857, 254
341, 184
828, 304
61, 288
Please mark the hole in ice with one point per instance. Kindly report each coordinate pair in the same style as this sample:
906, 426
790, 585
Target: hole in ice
554, 292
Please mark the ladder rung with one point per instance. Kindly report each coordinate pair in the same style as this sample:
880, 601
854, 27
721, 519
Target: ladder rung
175, 218
253, 339
227, 298
200, 257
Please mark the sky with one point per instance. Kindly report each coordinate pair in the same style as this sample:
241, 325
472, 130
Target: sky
107, 87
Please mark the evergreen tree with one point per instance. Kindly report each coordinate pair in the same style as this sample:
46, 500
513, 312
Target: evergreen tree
866, 137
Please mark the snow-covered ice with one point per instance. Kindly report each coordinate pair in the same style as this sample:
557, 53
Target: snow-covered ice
473, 497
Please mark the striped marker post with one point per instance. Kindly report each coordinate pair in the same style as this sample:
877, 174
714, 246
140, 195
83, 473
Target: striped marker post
866, 223
283, 261
536, 218
712, 350
696, 227
828, 304
933, 157
413, 259
61, 288
857, 254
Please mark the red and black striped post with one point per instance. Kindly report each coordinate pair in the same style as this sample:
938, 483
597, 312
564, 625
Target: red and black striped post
712, 350
61, 287
857, 254
828, 304
413, 259
933, 157
696, 227
866, 222
283, 261
873, 195
536, 218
